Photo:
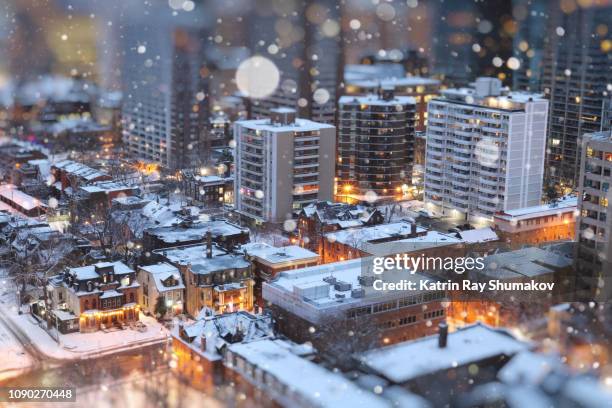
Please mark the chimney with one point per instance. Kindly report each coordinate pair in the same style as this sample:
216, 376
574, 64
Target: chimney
442, 335
208, 244
413, 230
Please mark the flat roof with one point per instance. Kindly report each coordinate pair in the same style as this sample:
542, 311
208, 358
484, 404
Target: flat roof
358, 236
409, 360
528, 262
321, 387
279, 255
565, 204
300, 125
309, 285
375, 100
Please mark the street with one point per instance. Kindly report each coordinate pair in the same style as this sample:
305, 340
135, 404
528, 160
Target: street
139, 377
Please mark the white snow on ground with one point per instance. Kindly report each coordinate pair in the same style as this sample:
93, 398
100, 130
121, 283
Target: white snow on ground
88, 345
77, 345
14, 357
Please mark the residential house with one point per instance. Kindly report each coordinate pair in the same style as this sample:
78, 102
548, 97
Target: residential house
161, 280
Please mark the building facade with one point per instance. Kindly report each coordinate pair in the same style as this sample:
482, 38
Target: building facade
593, 227
282, 165
93, 297
555, 221
314, 304
163, 281
485, 151
214, 279
421, 89
576, 72
375, 146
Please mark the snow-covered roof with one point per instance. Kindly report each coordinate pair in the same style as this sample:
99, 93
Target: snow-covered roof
529, 367
300, 125
161, 272
375, 100
12, 193
310, 292
357, 237
80, 170
478, 235
273, 255
195, 255
341, 214
409, 360
566, 204
106, 187
528, 262
221, 330
195, 231
110, 294
315, 384
89, 272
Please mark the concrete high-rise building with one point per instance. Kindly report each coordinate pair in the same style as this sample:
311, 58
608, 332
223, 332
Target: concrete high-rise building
577, 71
606, 113
166, 101
282, 165
375, 146
422, 89
594, 225
485, 150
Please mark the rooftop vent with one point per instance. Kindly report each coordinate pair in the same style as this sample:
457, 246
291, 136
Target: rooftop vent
358, 293
342, 286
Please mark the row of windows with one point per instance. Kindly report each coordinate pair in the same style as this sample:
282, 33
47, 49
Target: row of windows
396, 304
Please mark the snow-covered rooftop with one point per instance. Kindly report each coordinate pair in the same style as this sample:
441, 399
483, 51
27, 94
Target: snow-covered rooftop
89, 271
322, 388
478, 235
409, 360
566, 204
359, 236
80, 170
160, 273
528, 262
195, 255
375, 100
279, 255
12, 193
308, 291
106, 187
195, 231
300, 125
221, 330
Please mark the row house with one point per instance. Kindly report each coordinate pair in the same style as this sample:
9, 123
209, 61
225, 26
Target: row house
93, 297
163, 281
214, 278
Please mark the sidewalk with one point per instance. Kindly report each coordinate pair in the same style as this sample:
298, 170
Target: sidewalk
80, 346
